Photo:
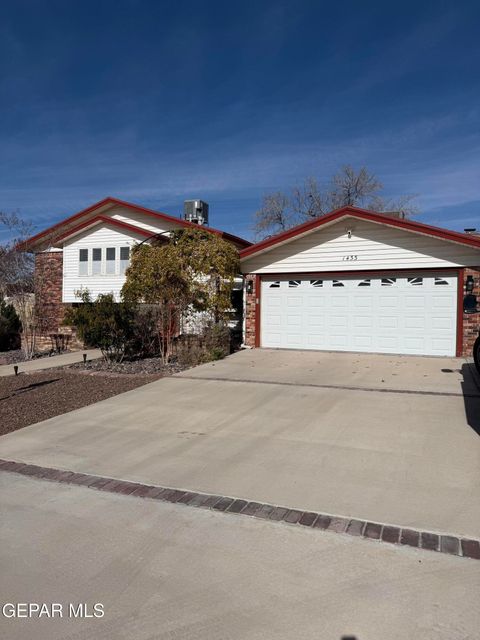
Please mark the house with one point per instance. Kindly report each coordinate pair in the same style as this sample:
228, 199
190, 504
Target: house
91, 249
355, 280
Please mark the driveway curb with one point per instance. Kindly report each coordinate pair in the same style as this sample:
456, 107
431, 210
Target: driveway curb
384, 533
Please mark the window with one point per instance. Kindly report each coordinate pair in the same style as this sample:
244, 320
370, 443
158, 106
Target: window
110, 263
441, 281
316, 283
96, 261
337, 283
124, 258
415, 282
364, 283
388, 282
275, 285
83, 262
294, 283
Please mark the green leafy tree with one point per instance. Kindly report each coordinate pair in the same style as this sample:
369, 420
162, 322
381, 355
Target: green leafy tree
193, 271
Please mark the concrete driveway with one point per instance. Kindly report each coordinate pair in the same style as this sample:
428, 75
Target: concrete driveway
170, 571
390, 439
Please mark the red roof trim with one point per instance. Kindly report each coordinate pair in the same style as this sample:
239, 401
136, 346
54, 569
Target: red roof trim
106, 220
363, 214
27, 244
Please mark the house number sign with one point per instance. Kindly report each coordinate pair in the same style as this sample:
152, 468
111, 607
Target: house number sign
351, 257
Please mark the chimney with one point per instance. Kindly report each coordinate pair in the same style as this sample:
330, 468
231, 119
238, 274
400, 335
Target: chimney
196, 211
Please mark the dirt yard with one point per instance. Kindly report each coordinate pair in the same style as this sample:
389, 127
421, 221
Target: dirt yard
29, 398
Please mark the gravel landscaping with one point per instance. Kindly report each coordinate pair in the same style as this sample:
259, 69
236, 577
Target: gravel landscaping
29, 398
141, 366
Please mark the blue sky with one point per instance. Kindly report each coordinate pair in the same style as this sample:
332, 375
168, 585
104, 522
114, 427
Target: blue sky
156, 102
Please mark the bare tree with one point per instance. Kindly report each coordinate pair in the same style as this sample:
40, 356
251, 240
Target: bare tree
16, 267
309, 200
17, 277
275, 214
350, 187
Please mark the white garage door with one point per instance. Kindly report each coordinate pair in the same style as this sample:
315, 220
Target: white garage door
413, 314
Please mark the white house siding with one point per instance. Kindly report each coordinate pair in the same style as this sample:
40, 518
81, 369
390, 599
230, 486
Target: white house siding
139, 219
99, 237
371, 246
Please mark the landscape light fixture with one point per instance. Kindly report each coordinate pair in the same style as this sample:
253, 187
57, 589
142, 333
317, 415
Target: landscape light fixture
84, 358
469, 284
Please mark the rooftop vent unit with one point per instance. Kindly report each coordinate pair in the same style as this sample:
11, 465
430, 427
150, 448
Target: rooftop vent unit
394, 214
196, 211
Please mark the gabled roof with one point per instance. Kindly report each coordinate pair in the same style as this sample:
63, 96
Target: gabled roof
93, 222
362, 214
57, 231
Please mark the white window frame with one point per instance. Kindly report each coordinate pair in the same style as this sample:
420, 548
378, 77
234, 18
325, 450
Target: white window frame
85, 263
124, 264
111, 263
98, 262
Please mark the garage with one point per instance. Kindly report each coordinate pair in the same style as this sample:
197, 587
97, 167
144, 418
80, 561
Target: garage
361, 281
397, 313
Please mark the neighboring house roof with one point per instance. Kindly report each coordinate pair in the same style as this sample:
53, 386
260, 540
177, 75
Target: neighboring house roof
63, 229
355, 212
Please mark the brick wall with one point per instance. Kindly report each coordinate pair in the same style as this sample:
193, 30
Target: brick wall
250, 306
471, 321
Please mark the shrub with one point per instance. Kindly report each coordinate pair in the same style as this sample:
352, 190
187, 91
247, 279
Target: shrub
10, 327
103, 323
145, 341
212, 344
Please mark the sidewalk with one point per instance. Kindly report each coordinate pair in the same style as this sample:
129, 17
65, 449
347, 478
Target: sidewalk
49, 363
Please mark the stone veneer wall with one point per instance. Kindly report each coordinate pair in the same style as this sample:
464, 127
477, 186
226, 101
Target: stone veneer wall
49, 308
48, 290
471, 321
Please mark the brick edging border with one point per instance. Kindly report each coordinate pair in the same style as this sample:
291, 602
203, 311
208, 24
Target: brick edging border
449, 544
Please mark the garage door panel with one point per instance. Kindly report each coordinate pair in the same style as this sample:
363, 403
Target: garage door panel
363, 342
394, 314
363, 302
363, 321
316, 301
415, 302
273, 320
442, 302
388, 322
294, 320
315, 340
338, 322
413, 322
340, 302
316, 321
294, 301
388, 343
294, 340
388, 302
338, 341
